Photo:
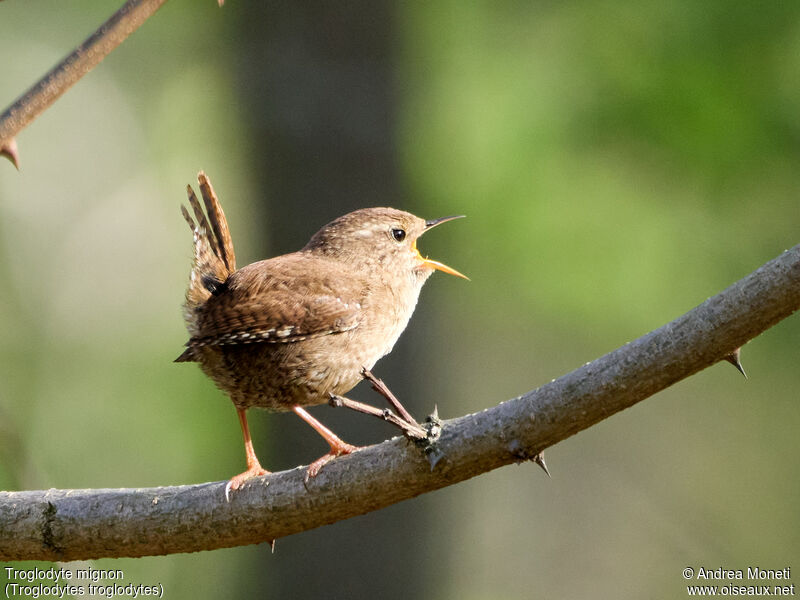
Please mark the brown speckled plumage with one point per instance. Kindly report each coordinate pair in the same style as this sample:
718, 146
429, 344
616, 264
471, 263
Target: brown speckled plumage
290, 331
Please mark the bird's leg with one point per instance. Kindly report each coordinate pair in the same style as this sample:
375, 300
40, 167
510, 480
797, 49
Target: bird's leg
384, 391
254, 468
412, 431
338, 447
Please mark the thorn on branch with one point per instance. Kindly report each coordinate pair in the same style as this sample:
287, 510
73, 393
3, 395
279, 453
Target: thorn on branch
430, 446
522, 454
10, 151
735, 359
539, 460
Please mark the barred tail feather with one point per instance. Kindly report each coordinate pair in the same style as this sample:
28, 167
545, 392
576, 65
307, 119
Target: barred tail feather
213, 259
218, 222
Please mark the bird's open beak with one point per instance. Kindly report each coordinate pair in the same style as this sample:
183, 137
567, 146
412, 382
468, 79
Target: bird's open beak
433, 264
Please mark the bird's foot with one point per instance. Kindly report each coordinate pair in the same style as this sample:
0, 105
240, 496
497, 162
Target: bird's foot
236, 482
339, 449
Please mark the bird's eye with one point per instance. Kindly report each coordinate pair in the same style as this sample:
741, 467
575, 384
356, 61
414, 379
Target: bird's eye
399, 234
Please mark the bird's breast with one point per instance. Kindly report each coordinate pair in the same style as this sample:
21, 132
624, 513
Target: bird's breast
390, 308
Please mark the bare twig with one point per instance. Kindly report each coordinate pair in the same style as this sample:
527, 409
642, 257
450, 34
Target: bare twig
383, 390
410, 430
79, 62
81, 524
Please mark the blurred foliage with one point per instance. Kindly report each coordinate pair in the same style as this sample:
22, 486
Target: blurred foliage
618, 161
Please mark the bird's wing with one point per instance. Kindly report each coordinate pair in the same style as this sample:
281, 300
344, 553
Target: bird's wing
278, 301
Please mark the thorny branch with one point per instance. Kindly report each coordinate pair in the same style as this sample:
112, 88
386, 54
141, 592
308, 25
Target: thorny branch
83, 524
67, 73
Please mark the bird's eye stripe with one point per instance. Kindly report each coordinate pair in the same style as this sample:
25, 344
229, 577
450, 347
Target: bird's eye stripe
399, 234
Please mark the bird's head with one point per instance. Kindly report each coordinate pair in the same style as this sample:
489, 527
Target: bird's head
381, 238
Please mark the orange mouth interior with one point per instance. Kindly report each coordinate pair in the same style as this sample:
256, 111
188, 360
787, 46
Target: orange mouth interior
434, 264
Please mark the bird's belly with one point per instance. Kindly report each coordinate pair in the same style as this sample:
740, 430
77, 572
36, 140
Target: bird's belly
280, 376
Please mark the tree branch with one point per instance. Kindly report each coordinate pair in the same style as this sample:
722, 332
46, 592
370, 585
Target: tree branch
67, 73
84, 524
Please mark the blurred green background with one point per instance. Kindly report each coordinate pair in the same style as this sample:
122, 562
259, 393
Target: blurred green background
619, 162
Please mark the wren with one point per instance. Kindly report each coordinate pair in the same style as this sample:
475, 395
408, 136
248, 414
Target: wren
297, 329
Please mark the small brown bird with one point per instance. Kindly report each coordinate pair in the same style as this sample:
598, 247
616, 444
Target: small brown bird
293, 330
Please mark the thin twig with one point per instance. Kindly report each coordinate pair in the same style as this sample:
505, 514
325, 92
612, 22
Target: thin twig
77, 64
411, 430
82, 524
383, 390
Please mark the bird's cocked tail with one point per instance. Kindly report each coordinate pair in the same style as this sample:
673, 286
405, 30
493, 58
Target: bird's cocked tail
214, 259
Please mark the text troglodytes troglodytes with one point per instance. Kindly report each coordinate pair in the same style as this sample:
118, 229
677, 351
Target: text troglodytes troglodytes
293, 330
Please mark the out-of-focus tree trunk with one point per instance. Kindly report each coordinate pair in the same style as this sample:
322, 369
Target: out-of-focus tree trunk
319, 81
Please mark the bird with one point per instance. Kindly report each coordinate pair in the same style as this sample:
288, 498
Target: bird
299, 329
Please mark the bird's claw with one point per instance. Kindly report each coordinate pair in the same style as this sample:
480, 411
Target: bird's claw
340, 450
236, 482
